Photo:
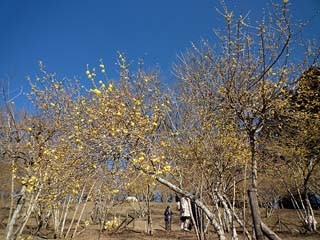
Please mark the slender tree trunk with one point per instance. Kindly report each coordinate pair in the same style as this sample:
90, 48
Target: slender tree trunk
255, 213
56, 219
253, 198
196, 227
82, 211
244, 198
149, 218
13, 175
234, 230
15, 214
227, 212
76, 210
33, 203
269, 233
65, 211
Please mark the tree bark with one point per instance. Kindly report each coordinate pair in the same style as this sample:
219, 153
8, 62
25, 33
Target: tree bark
252, 192
255, 213
15, 215
149, 218
31, 207
269, 233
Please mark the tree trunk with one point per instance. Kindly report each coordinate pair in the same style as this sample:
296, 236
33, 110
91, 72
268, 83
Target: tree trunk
149, 218
31, 207
15, 215
83, 208
269, 233
227, 213
65, 211
255, 213
75, 211
253, 199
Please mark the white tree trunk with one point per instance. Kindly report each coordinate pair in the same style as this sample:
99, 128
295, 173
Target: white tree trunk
15, 215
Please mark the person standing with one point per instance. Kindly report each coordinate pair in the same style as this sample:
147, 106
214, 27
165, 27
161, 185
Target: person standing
185, 214
168, 218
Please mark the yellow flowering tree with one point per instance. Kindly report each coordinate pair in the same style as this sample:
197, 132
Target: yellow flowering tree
294, 138
242, 81
44, 156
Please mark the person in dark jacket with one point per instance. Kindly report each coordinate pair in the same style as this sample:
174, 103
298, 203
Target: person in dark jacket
168, 218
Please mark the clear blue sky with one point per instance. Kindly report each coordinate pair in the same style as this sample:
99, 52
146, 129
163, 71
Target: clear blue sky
68, 34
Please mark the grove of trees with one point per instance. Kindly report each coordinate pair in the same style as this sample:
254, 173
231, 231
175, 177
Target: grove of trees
239, 132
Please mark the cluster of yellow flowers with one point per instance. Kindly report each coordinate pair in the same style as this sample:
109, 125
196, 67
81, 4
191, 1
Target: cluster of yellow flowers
137, 102
31, 182
87, 223
90, 75
155, 159
95, 91
110, 87
166, 168
111, 224
13, 168
114, 191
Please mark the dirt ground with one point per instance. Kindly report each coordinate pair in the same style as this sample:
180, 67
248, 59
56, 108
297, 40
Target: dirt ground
284, 222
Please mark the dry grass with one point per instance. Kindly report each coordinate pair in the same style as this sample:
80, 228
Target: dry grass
285, 222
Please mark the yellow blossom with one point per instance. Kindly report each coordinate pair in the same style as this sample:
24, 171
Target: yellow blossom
138, 102
155, 159
23, 181
32, 180
95, 91
167, 168
29, 189
114, 191
112, 224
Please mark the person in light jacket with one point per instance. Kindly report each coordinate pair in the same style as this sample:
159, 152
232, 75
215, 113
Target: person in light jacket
185, 214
